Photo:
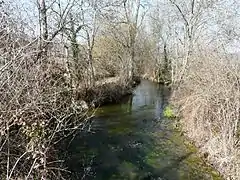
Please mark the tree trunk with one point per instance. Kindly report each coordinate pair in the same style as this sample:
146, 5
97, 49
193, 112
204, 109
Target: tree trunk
166, 63
75, 52
90, 56
132, 33
92, 76
43, 31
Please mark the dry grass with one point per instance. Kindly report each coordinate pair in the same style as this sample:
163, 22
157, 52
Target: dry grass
209, 101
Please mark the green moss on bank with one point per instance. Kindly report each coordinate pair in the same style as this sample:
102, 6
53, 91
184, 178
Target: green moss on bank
168, 112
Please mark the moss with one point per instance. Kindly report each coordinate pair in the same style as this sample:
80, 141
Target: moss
152, 159
168, 113
128, 171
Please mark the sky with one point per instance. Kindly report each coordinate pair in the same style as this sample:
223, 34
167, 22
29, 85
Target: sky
225, 17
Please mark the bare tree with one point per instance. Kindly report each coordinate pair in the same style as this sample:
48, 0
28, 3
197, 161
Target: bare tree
133, 20
47, 33
91, 32
193, 15
161, 24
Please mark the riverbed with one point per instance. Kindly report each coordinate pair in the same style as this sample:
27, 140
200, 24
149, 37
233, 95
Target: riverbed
132, 140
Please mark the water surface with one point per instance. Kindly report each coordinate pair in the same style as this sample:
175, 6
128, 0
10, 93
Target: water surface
131, 140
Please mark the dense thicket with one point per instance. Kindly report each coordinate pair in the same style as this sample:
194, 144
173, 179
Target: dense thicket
57, 55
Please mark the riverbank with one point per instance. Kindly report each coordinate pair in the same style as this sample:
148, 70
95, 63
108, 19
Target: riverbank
108, 90
158, 78
208, 106
193, 146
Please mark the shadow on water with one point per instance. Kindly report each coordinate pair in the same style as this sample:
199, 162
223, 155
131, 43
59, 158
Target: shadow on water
131, 140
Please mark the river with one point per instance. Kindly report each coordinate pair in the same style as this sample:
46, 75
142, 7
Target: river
131, 140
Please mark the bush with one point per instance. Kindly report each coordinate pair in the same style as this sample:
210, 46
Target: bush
37, 110
209, 99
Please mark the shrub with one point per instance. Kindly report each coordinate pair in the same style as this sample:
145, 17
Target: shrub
209, 100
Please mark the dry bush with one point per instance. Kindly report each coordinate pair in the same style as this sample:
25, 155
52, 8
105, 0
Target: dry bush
109, 57
109, 92
39, 105
37, 109
209, 100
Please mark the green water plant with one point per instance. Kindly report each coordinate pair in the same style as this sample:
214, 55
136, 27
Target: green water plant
168, 112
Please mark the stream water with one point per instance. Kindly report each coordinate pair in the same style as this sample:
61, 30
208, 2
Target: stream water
131, 140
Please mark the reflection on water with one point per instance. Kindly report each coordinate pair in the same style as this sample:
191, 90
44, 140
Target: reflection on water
131, 140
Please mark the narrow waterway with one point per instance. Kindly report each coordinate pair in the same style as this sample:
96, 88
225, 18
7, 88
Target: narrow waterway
132, 140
